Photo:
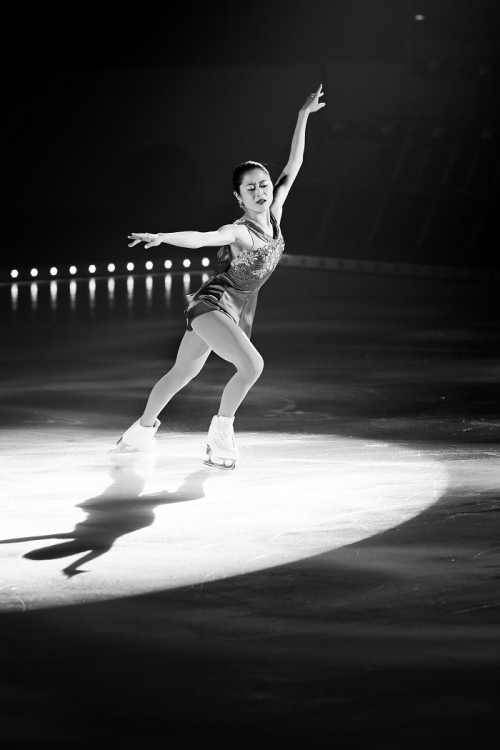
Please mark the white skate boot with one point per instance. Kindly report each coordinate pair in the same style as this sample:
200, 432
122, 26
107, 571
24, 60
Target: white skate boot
221, 448
137, 439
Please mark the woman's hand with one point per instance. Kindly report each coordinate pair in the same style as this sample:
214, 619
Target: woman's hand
152, 239
312, 103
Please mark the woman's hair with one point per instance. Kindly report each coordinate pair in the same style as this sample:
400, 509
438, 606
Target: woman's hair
242, 169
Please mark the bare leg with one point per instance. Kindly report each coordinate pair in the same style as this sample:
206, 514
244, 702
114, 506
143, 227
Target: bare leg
192, 355
227, 340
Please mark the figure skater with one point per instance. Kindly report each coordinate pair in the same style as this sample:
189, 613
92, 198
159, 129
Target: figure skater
220, 314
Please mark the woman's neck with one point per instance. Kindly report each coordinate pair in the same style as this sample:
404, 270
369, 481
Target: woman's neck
262, 219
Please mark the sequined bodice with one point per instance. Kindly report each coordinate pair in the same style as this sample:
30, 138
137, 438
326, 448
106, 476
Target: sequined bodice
253, 266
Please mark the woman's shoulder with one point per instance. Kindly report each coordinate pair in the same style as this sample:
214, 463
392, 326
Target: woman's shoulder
236, 223
238, 228
242, 241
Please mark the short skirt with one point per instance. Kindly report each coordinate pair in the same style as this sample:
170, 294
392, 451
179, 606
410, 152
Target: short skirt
216, 295
200, 308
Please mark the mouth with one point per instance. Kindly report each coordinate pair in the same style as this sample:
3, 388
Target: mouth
261, 201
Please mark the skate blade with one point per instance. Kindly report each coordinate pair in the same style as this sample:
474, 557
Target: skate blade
227, 464
123, 447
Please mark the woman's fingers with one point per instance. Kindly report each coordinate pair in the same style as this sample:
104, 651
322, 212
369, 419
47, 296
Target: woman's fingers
150, 239
138, 237
313, 102
316, 104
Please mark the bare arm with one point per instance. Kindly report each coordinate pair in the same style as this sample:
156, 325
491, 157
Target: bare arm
226, 235
294, 163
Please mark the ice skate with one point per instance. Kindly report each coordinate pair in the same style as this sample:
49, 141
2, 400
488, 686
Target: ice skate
137, 439
221, 448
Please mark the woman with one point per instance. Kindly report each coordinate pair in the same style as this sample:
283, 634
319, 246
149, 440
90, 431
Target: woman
220, 314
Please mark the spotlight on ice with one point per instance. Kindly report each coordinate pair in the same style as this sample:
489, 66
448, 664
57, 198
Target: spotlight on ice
186, 263
53, 271
168, 264
14, 273
72, 270
419, 17
92, 269
149, 265
205, 262
130, 266
111, 267
34, 272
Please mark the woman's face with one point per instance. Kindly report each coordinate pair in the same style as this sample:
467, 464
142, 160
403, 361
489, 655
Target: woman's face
256, 190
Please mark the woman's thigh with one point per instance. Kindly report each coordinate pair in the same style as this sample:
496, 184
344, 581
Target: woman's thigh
226, 339
193, 351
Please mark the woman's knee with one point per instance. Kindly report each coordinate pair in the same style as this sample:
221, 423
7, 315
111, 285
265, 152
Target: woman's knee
252, 367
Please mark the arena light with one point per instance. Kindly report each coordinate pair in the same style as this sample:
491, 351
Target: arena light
72, 270
168, 264
205, 262
130, 266
53, 295
186, 263
111, 267
419, 17
34, 272
92, 269
14, 273
53, 271
149, 265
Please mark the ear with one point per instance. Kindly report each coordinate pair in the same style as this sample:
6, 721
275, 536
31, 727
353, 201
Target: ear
236, 195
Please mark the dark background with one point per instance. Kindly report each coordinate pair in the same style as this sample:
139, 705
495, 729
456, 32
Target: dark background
133, 119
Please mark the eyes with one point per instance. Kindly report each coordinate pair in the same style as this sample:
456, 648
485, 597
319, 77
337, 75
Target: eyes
261, 184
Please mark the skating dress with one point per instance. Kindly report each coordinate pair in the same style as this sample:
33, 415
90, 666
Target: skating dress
233, 291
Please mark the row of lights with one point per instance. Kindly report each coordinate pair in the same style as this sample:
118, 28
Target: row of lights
111, 267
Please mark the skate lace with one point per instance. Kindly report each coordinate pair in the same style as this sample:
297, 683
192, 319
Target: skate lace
224, 436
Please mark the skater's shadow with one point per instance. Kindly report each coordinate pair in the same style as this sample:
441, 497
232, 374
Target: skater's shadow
119, 510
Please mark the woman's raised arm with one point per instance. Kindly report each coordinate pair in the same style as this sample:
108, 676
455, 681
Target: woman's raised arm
288, 175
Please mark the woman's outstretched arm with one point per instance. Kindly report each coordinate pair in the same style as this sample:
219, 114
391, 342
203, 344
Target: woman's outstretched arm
288, 175
226, 235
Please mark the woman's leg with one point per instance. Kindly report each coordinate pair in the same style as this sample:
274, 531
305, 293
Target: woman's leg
192, 355
224, 337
